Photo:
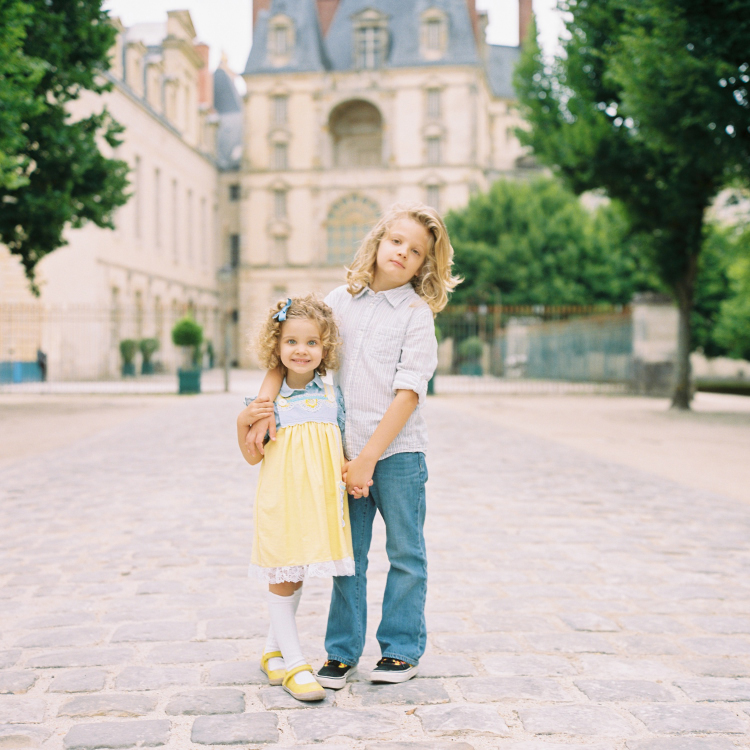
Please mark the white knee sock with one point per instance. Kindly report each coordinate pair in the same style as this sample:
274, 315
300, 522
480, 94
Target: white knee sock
281, 610
272, 644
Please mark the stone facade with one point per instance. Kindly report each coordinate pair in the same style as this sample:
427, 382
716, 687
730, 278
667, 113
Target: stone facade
161, 259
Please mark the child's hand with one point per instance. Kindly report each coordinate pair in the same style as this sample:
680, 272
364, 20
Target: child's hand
358, 476
257, 434
258, 409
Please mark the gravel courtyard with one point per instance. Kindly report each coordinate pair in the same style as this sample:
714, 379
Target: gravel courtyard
574, 601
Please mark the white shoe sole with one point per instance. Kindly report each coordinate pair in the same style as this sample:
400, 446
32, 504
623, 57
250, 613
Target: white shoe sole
334, 683
393, 677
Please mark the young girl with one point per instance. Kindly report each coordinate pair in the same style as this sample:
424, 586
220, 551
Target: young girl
301, 510
400, 278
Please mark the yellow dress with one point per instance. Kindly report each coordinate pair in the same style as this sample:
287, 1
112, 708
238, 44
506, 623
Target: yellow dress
301, 512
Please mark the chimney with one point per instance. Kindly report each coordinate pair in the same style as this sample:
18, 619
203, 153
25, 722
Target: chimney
258, 6
472, 5
205, 81
326, 12
525, 14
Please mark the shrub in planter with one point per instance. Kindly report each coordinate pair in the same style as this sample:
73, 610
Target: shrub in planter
148, 347
188, 335
128, 348
470, 351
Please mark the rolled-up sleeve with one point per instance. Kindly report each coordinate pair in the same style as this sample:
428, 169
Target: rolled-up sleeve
418, 354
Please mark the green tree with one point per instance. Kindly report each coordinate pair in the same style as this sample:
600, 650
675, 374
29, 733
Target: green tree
732, 330
52, 172
535, 243
649, 101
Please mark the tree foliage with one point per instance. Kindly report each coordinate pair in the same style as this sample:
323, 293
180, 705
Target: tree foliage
650, 102
52, 172
535, 243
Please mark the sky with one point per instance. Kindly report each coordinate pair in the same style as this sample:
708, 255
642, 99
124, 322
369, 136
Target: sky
226, 24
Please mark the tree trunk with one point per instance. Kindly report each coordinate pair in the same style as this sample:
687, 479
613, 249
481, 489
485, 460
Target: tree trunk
682, 395
685, 292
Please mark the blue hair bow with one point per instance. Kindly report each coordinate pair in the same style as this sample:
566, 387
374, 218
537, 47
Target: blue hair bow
281, 314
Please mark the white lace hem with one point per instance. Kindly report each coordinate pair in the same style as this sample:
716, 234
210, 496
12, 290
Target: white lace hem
294, 573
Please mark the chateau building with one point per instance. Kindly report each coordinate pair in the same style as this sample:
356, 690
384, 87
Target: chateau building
161, 260
353, 105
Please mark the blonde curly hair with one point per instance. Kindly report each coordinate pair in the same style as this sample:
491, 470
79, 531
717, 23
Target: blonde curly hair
309, 307
434, 282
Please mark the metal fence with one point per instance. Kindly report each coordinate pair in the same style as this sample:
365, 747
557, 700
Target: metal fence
82, 342
557, 344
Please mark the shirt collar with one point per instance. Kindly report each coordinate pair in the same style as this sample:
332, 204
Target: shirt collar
395, 296
315, 384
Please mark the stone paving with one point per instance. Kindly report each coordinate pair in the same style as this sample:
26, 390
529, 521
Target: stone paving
572, 603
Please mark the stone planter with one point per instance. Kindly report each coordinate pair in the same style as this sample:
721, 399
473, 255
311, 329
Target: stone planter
128, 369
189, 380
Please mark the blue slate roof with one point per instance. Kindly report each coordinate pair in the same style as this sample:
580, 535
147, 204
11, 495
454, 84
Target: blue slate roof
228, 105
500, 64
226, 96
403, 33
336, 51
309, 50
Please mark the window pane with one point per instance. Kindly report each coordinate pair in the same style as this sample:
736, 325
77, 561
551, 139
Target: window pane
279, 204
433, 34
433, 196
433, 103
279, 110
433, 151
279, 156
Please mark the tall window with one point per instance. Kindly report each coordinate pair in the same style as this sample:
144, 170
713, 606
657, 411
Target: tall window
433, 196
204, 233
189, 219
349, 220
139, 314
279, 156
279, 110
370, 44
280, 40
279, 204
158, 319
175, 225
433, 151
433, 103
234, 250
434, 34
157, 207
279, 251
137, 200
234, 192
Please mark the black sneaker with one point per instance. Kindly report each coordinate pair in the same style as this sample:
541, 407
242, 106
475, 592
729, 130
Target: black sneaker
393, 670
334, 674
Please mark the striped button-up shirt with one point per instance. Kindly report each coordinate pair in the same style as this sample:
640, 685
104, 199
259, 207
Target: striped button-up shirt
389, 345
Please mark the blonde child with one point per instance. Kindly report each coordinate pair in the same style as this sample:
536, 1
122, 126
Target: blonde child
301, 510
399, 279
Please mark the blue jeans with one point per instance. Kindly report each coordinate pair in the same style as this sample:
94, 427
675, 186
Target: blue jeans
398, 492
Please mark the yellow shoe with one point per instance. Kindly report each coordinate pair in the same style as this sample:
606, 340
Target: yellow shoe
310, 692
275, 676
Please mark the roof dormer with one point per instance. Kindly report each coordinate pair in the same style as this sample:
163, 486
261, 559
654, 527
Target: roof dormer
370, 28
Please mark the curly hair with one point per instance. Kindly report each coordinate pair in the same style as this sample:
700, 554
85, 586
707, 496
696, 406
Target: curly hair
309, 307
434, 281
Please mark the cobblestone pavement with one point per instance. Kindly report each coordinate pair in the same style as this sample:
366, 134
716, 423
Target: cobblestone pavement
572, 603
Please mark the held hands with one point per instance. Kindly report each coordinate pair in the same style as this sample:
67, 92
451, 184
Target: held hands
358, 476
259, 414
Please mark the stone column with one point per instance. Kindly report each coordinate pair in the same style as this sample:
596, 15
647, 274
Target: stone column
655, 319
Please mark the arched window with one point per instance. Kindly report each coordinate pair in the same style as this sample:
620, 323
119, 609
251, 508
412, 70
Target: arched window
434, 34
357, 131
349, 220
